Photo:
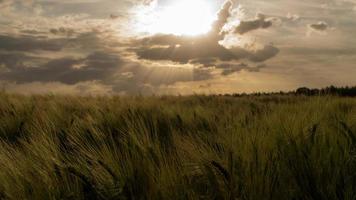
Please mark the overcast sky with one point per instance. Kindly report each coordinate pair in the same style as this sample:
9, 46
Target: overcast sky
110, 47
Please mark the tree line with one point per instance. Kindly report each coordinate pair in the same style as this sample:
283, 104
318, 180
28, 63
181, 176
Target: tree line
305, 91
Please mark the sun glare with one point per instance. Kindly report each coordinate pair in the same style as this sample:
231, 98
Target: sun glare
181, 17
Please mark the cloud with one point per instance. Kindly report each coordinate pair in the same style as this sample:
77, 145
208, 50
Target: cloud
183, 52
230, 68
112, 16
203, 49
96, 66
105, 68
33, 32
259, 23
267, 52
320, 26
28, 43
62, 31
57, 41
13, 60
182, 49
223, 15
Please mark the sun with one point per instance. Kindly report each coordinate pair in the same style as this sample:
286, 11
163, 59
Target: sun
180, 17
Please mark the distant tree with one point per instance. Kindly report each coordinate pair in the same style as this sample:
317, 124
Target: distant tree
303, 91
331, 90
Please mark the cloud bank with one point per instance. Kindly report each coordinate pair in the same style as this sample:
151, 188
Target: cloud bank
88, 45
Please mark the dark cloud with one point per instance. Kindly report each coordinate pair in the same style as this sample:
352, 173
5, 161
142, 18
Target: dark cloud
67, 39
268, 51
230, 68
105, 68
33, 32
320, 26
183, 52
29, 43
206, 62
114, 17
35, 56
202, 51
13, 60
62, 31
259, 23
96, 66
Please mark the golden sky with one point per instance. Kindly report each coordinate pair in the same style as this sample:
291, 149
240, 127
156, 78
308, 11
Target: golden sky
175, 46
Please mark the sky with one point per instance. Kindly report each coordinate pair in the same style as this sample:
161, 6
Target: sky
175, 47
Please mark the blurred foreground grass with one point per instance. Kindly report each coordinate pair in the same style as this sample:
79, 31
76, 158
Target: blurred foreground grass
197, 147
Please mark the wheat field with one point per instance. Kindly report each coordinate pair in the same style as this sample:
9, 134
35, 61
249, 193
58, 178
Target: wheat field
194, 147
